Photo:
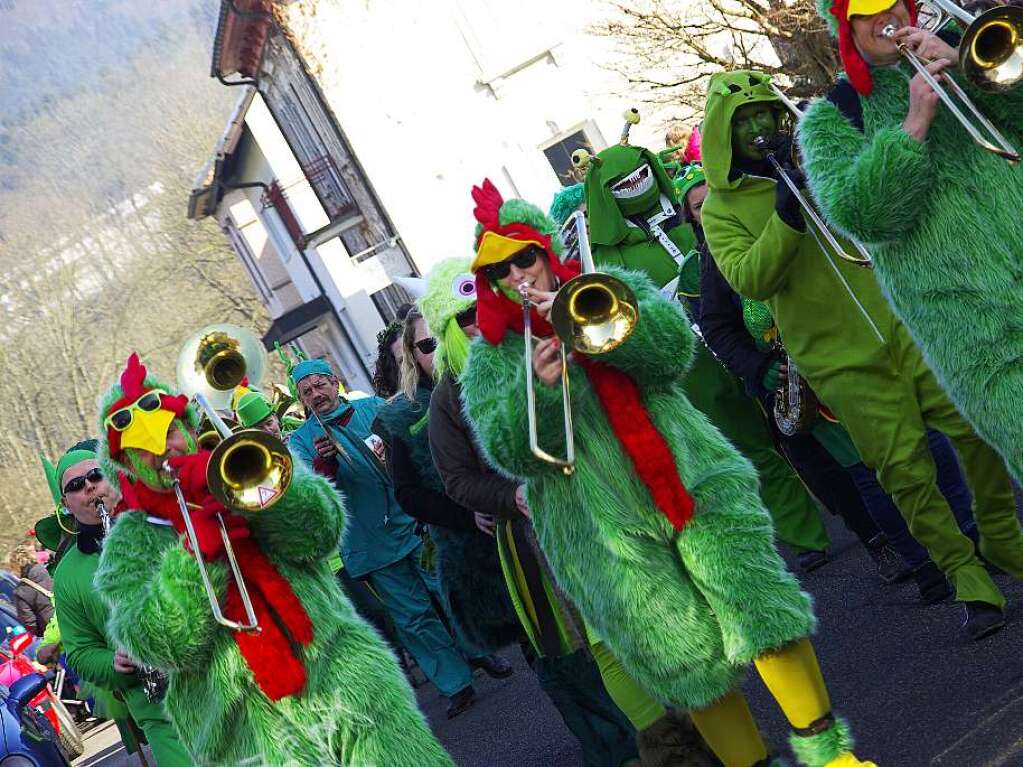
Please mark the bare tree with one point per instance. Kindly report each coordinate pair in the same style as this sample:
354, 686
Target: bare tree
669, 48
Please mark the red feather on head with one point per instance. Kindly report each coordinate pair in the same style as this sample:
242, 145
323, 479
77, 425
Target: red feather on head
133, 378
488, 205
133, 386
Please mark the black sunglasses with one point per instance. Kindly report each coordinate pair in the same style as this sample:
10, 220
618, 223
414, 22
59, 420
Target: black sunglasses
523, 260
78, 483
466, 318
426, 345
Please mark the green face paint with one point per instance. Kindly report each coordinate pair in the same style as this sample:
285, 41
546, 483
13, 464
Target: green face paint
749, 122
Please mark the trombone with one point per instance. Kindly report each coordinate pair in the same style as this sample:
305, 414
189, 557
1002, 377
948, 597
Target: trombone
249, 470
763, 143
592, 313
990, 56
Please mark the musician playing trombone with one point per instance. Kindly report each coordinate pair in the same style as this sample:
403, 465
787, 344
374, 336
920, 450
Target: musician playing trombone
83, 615
906, 166
657, 532
847, 343
310, 682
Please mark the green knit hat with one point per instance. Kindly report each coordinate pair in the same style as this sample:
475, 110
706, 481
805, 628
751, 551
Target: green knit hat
253, 408
688, 177
450, 290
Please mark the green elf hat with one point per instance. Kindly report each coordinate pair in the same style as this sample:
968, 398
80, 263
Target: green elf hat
253, 408
604, 213
49, 530
450, 290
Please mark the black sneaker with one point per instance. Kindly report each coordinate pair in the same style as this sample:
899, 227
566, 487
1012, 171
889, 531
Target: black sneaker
495, 666
934, 586
982, 619
461, 701
889, 564
811, 560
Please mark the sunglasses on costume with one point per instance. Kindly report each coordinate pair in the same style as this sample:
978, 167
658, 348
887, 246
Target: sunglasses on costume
78, 483
121, 418
524, 259
466, 317
426, 345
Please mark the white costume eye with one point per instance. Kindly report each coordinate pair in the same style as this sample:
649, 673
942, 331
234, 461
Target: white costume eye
464, 286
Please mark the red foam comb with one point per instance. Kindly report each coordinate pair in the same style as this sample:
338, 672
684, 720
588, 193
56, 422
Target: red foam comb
488, 204
133, 377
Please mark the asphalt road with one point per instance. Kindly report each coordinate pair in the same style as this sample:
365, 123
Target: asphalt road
917, 692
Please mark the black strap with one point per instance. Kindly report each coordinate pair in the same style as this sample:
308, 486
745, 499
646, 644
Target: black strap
845, 97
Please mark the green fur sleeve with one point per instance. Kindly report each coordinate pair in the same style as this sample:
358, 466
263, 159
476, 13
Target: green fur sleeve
494, 394
159, 610
755, 266
873, 188
660, 349
306, 524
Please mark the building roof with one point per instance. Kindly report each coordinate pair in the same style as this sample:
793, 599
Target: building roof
207, 187
242, 32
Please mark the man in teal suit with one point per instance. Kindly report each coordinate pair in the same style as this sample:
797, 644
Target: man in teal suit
379, 544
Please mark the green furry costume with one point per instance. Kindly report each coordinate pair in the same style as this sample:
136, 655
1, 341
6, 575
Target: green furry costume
354, 709
943, 222
684, 612
854, 352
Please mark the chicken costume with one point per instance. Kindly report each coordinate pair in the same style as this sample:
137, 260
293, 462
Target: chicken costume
659, 537
317, 685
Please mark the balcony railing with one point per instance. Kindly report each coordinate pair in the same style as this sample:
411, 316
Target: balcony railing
275, 198
326, 181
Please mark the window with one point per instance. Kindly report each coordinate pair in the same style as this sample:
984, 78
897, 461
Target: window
390, 299
559, 155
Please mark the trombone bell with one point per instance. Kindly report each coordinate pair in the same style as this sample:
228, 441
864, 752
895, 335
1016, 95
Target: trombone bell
992, 49
594, 313
249, 471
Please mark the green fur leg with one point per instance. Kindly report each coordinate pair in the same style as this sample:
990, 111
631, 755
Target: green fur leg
821, 749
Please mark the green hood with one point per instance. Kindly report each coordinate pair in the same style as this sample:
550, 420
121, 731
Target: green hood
607, 224
727, 92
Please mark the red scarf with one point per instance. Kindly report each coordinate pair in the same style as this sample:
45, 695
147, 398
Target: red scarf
271, 654
619, 396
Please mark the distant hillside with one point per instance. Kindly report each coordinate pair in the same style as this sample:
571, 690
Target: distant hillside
50, 49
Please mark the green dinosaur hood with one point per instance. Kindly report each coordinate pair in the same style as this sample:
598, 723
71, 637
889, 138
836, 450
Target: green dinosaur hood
606, 220
726, 92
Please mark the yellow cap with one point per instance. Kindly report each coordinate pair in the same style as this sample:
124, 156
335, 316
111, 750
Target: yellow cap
495, 248
868, 7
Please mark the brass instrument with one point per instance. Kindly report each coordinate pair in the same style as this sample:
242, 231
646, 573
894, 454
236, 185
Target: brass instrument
990, 57
864, 258
592, 314
795, 404
154, 682
249, 470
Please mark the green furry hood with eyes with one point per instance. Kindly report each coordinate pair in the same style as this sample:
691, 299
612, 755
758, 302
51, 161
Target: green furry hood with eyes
726, 92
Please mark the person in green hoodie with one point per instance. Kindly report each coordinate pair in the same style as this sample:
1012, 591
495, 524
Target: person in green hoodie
83, 616
854, 352
635, 221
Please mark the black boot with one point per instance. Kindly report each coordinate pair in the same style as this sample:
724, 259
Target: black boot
934, 586
495, 666
811, 560
672, 741
982, 619
889, 564
461, 701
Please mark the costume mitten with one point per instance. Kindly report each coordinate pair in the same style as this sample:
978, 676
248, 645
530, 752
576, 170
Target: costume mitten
785, 201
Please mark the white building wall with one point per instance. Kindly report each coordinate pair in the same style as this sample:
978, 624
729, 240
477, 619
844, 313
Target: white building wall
433, 97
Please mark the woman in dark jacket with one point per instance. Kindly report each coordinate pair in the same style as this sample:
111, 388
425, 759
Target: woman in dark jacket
33, 597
